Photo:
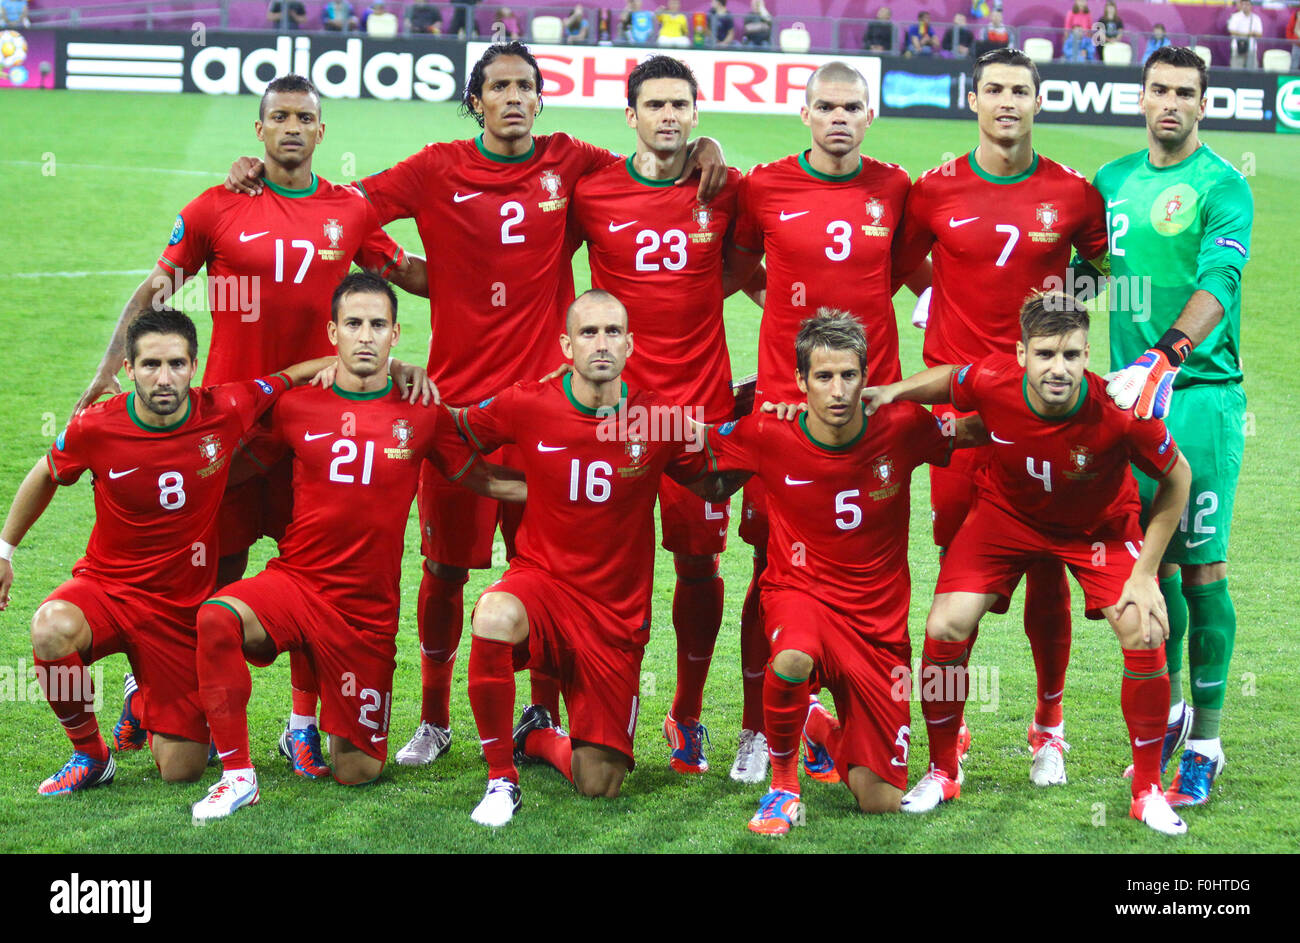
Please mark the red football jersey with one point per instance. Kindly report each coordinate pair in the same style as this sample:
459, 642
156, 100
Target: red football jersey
273, 263
994, 240
657, 249
356, 464
157, 491
839, 514
1060, 473
494, 232
828, 241
589, 520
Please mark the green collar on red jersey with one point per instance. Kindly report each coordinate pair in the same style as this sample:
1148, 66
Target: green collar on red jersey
1015, 178
588, 410
147, 427
632, 172
294, 194
829, 178
803, 424
374, 394
501, 158
1078, 404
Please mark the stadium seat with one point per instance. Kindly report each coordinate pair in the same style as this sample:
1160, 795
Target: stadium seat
1277, 60
547, 29
1120, 53
1204, 53
795, 39
1039, 49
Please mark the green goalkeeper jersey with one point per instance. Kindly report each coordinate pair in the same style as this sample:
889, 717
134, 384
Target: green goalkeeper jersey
1185, 227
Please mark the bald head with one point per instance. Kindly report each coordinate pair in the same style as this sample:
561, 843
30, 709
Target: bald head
594, 306
839, 73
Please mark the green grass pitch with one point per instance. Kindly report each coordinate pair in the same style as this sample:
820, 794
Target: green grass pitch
92, 184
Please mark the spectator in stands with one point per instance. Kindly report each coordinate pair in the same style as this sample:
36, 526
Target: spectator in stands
297, 14
1079, 15
758, 26
13, 13
423, 18
1293, 34
1111, 25
505, 25
1157, 40
380, 22
673, 29
958, 40
1245, 27
1078, 46
636, 26
995, 32
338, 17
879, 36
462, 19
722, 24
920, 40
577, 28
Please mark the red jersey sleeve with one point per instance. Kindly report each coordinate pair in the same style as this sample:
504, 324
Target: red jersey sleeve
1153, 448
378, 252
963, 393
251, 398
592, 158
734, 446
490, 424
748, 234
400, 191
1091, 241
190, 245
69, 456
914, 238
447, 450
924, 435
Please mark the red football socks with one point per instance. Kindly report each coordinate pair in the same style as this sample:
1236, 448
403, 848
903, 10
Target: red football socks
224, 683
1144, 699
697, 616
1047, 623
303, 684
439, 620
492, 698
545, 690
754, 652
553, 747
943, 698
68, 687
785, 707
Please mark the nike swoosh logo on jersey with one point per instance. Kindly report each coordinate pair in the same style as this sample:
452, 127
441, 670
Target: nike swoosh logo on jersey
122, 474
785, 215
249, 237
1193, 544
551, 448
461, 198
954, 223
313, 436
994, 437
794, 481
1212, 684
1147, 743
1111, 204
620, 226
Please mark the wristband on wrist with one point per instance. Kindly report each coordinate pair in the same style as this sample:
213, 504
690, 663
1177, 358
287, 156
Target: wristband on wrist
1176, 346
6, 550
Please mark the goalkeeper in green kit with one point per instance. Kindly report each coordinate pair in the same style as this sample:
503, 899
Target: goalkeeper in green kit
1179, 218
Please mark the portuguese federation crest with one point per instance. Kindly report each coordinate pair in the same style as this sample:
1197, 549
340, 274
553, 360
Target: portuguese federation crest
884, 469
551, 184
1048, 216
636, 450
210, 447
702, 216
333, 232
876, 210
402, 432
1080, 458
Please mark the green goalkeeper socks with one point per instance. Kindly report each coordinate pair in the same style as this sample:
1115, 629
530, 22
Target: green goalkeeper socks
1172, 589
1212, 630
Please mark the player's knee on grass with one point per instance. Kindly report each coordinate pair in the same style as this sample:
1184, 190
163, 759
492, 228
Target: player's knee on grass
695, 569
501, 617
792, 664
179, 760
598, 770
874, 795
352, 767
452, 574
1202, 574
59, 628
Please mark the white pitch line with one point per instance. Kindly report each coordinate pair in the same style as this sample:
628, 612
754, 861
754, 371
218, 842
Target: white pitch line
129, 271
150, 170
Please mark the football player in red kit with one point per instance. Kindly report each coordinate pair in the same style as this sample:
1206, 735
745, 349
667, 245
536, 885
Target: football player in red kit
160, 456
825, 220
1057, 485
660, 250
332, 593
576, 598
1000, 222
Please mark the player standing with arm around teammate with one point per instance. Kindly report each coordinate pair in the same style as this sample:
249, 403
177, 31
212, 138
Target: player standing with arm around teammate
1000, 222
1058, 484
1180, 221
160, 456
660, 250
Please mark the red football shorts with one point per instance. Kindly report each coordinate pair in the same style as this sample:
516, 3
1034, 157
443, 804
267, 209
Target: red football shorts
753, 514
354, 667
690, 524
993, 549
568, 638
870, 681
159, 641
457, 526
258, 507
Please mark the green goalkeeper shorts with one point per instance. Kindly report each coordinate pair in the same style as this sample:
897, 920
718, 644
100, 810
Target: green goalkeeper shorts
1208, 423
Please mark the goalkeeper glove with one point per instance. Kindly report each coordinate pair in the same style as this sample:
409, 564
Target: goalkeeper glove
1147, 384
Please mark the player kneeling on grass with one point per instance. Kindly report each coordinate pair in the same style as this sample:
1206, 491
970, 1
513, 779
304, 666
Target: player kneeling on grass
836, 589
332, 593
575, 601
160, 457
1057, 485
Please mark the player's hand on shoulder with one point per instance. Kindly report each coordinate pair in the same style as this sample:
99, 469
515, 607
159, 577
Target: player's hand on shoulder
416, 383
706, 157
100, 385
555, 374
873, 397
325, 377
785, 411
245, 176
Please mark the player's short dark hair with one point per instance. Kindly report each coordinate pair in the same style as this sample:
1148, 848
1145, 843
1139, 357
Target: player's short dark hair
591, 294
1051, 314
287, 83
829, 330
1004, 55
1182, 57
362, 283
474, 84
161, 320
660, 67
835, 71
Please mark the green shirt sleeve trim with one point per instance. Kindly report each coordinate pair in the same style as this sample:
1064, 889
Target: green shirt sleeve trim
466, 431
